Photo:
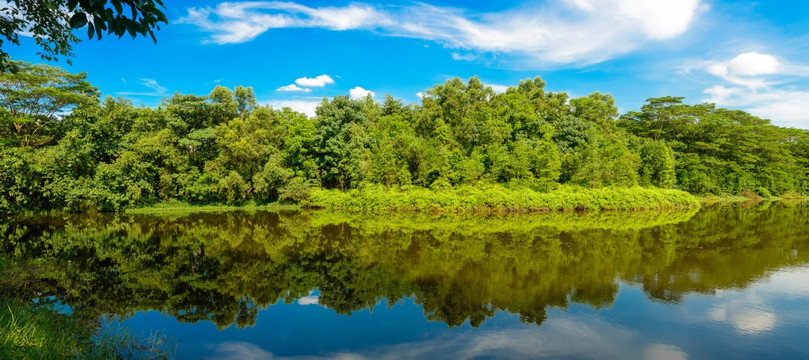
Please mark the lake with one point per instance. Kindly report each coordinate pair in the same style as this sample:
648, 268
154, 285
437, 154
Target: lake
724, 281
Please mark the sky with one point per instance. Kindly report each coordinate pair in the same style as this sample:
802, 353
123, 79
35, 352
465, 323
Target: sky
746, 55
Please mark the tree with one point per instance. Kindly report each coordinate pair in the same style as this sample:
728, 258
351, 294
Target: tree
35, 97
657, 165
51, 22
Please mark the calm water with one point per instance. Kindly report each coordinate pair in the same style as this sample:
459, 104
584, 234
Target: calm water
721, 282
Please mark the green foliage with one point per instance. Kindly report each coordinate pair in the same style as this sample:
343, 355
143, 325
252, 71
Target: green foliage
34, 97
232, 188
657, 165
497, 198
51, 23
271, 179
297, 190
73, 152
720, 151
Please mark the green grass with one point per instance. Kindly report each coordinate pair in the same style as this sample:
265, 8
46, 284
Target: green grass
37, 331
497, 198
34, 332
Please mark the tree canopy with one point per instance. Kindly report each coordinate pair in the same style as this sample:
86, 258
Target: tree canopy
64, 148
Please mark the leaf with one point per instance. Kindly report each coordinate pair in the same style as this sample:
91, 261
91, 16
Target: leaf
78, 20
118, 7
90, 30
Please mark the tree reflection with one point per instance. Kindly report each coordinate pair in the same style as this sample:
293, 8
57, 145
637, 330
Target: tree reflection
226, 267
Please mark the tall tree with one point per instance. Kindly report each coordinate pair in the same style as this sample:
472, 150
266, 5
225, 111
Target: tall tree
35, 97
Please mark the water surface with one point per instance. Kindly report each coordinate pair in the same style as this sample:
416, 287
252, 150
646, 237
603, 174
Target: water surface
719, 282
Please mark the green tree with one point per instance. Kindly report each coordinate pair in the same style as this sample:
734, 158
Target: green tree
657, 165
35, 98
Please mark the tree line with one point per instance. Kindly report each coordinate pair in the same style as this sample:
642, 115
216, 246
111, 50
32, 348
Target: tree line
62, 147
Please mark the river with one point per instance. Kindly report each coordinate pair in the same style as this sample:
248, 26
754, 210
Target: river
723, 281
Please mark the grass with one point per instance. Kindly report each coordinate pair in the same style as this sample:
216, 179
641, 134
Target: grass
33, 332
497, 198
38, 331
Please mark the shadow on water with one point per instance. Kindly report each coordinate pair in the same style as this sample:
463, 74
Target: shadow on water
226, 267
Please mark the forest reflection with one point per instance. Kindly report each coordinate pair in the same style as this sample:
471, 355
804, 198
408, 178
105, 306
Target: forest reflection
226, 267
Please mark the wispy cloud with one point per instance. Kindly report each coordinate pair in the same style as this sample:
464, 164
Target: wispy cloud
467, 57
236, 22
157, 89
558, 32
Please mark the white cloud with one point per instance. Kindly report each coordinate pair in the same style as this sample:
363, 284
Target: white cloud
745, 69
157, 89
466, 57
753, 82
559, 31
237, 22
359, 93
497, 88
660, 19
302, 106
317, 81
753, 63
293, 87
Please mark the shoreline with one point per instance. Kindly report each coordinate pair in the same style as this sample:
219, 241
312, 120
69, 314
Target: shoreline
466, 200
486, 199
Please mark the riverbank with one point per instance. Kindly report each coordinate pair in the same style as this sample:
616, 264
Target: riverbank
179, 207
497, 198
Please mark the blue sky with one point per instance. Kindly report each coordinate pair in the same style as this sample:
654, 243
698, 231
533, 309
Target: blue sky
742, 55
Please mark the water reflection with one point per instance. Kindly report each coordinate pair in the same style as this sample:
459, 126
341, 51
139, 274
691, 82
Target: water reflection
227, 268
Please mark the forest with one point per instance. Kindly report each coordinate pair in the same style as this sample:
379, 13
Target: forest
63, 147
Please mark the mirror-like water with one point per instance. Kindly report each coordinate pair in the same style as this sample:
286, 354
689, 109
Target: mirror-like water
720, 282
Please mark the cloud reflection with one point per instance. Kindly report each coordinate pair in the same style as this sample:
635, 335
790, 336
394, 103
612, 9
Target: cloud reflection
557, 338
745, 317
664, 352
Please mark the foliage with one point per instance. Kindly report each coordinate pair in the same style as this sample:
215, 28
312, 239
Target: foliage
497, 198
51, 23
64, 149
716, 151
34, 98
